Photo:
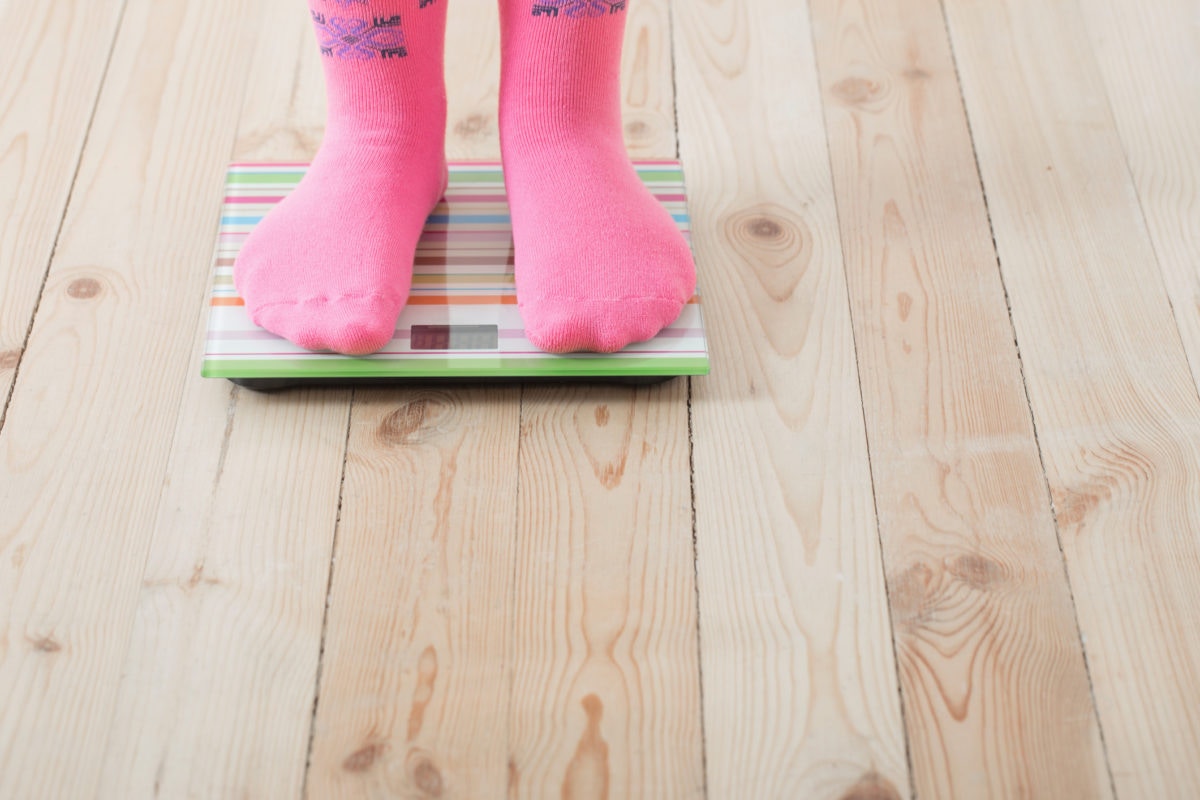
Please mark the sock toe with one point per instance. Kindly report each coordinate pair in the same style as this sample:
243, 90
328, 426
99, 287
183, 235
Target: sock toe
352, 325
600, 326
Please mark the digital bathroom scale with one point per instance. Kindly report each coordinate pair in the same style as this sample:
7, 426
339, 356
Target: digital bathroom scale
461, 321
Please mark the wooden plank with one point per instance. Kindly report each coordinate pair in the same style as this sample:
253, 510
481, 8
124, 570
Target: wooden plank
605, 685
85, 449
606, 698
801, 697
217, 690
1149, 58
415, 677
414, 683
54, 59
996, 690
1117, 414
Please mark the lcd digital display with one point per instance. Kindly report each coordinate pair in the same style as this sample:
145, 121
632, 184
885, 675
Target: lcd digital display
455, 337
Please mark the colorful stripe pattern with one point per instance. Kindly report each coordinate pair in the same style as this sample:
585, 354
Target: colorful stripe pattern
463, 277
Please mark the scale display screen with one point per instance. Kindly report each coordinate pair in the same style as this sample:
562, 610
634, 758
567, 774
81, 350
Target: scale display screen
455, 337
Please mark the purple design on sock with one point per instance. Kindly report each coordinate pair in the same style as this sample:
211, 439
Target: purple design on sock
360, 39
577, 8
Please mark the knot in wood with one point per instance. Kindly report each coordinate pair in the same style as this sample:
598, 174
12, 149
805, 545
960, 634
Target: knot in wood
767, 229
83, 288
399, 426
857, 91
427, 777
473, 126
363, 758
911, 594
872, 786
976, 571
416, 421
638, 130
45, 644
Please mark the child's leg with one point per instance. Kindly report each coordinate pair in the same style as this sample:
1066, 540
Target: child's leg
331, 267
600, 261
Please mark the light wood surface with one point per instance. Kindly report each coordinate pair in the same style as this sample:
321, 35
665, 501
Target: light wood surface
606, 696
54, 58
800, 688
1149, 57
995, 687
1117, 413
930, 528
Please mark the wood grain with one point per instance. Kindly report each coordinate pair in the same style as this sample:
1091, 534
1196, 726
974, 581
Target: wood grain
1117, 415
415, 678
996, 690
801, 696
85, 449
606, 698
216, 693
606, 688
217, 690
1149, 59
50, 73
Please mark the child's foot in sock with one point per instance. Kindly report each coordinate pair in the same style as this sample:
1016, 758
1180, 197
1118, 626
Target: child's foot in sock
330, 268
600, 263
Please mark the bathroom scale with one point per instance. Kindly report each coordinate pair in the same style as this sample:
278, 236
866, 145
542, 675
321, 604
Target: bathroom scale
461, 322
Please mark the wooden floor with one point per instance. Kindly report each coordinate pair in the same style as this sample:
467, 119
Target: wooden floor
930, 528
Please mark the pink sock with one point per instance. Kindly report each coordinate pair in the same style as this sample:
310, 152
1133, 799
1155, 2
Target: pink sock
330, 268
600, 263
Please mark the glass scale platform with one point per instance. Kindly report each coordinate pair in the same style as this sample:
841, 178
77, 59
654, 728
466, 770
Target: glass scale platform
461, 321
